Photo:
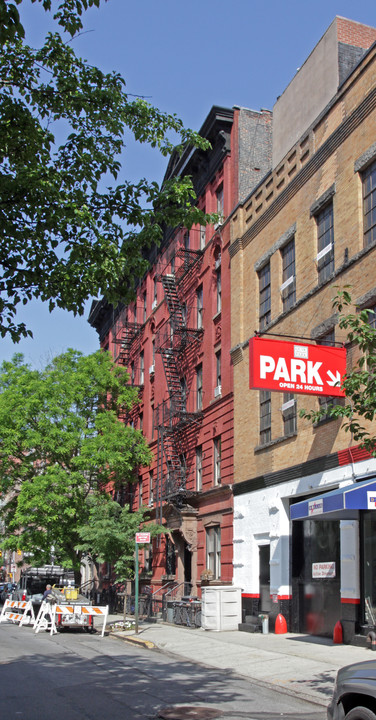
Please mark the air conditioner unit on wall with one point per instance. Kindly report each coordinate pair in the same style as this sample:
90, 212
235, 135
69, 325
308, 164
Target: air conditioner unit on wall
218, 391
152, 369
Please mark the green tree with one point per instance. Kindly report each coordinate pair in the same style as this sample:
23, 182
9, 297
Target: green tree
61, 445
109, 535
71, 225
359, 384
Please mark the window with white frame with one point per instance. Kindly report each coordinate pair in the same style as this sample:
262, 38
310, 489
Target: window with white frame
218, 371
213, 550
264, 296
289, 413
200, 307
144, 306
142, 368
199, 467
155, 291
151, 488
265, 416
220, 202
219, 289
369, 204
202, 237
139, 492
186, 240
325, 243
199, 395
217, 460
327, 401
288, 286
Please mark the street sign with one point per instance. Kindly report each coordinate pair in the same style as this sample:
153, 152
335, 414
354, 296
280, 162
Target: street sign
142, 537
296, 367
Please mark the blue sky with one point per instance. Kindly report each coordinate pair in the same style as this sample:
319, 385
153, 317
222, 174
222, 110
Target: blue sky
184, 57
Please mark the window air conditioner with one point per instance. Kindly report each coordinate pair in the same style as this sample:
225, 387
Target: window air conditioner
218, 391
152, 369
218, 263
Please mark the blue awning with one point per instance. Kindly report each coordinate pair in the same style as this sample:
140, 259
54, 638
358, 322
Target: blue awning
343, 503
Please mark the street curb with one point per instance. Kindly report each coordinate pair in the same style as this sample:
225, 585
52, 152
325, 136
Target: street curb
133, 640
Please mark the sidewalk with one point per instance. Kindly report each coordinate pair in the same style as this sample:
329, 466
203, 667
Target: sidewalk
299, 664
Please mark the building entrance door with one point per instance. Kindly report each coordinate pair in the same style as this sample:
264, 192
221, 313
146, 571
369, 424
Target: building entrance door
316, 581
264, 579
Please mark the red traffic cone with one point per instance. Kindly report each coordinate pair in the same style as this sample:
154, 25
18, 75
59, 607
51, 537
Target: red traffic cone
280, 625
338, 633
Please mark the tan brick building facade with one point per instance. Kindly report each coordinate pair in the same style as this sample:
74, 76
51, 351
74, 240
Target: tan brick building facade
296, 237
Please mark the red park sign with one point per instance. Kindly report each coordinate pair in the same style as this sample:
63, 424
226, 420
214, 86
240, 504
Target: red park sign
296, 367
142, 537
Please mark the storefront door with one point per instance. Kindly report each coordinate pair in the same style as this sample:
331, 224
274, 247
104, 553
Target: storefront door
316, 578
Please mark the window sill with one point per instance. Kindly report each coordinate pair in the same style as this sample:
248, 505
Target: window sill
277, 441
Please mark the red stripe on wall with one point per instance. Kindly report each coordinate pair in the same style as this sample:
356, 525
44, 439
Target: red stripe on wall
251, 595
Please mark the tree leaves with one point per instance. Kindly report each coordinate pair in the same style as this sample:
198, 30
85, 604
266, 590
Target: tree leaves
359, 383
61, 445
67, 230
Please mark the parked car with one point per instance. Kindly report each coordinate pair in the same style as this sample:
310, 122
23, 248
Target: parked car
354, 693
7, 591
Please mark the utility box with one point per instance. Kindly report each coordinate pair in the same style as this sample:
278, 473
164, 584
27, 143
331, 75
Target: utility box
221, 608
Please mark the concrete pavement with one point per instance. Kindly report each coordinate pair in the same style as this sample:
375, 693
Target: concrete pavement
299, 664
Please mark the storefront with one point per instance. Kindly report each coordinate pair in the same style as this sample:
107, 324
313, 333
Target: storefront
334, 561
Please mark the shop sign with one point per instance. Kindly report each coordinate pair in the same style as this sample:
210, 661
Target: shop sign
315, 507
142, 537
324, 570
371, 500
295, 367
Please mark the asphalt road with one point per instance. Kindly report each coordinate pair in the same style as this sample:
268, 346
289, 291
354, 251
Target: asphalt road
78, 676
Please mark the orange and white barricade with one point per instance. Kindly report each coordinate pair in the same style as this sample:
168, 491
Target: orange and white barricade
20, 611
52, 616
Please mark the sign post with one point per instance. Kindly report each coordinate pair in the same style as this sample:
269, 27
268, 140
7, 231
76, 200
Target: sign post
141, 539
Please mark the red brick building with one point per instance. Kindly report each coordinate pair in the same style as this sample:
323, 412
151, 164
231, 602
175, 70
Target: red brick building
175, 341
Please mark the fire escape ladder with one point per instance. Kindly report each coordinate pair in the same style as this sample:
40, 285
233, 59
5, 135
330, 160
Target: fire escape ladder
177, 404
173, 303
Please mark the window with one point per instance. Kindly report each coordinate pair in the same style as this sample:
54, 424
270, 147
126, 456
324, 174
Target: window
213, 550
327, 401
132, 373
144, 304
218, 369
155, 292
372, 316
219, 289
288, 276
151, 488
186, 240
139, 492
325, 243
172, 265
220, 202
183, 391
202, 237
199, 397
265, 416
199, 467
141, 418
200, 308
264, 296
289, 413
184, 313
142, 368
369, 205
217, 460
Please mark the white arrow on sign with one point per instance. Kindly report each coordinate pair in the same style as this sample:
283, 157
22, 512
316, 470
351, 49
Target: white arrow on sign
335, 378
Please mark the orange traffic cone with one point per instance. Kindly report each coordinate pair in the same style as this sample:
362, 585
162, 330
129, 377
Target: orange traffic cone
338, 633
280, 625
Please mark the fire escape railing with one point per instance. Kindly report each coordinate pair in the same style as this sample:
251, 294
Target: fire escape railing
171, 416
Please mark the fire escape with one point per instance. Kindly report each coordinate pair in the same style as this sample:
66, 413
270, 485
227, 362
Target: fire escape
127, 336
174, 341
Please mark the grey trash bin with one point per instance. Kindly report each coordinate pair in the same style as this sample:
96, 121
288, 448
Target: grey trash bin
265, 624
